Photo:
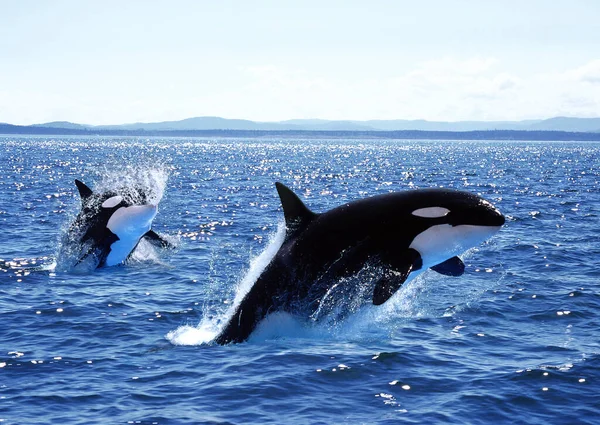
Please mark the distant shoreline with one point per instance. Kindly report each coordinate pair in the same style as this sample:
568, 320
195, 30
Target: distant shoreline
524, 135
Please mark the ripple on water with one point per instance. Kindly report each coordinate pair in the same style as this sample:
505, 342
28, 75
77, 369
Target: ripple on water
513, 337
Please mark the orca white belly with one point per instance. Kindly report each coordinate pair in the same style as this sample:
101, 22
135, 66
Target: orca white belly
129, 224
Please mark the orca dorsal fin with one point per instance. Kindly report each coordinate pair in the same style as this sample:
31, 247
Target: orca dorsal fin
297, 215
84, 191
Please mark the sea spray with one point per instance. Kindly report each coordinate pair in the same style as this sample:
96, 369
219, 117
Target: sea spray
135, 179
208, 328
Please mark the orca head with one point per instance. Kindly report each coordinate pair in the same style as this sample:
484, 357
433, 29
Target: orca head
125, 216
453, 223
457, 208
122, 196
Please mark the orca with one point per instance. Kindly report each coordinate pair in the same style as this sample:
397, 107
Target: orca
110, 224
402, 233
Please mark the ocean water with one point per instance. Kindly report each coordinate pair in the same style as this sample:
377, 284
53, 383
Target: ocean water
514, 340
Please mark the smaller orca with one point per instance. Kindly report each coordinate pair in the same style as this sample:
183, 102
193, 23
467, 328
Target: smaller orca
111, 224
400, 233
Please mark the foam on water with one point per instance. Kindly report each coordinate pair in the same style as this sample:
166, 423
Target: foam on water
205, 332
28, 265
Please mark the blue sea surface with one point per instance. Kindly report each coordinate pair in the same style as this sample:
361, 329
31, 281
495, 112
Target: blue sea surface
514, 340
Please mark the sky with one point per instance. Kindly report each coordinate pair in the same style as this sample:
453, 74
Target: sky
114, 62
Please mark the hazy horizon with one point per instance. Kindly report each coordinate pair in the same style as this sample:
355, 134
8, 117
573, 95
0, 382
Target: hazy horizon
298, 119
137, 61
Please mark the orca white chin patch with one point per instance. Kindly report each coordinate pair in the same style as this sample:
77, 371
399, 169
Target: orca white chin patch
443, 241
112, 202
431, 212
129, 224
135, 220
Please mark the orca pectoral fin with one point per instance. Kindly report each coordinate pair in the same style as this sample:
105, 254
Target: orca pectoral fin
157, 240
451, 267
389, 283
400, 264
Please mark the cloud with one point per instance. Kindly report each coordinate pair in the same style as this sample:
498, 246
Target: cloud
447, 89
588, 73
571, 92
452, 67
430, 90
490, 87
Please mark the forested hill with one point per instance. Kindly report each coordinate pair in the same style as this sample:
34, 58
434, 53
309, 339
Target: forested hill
525, 135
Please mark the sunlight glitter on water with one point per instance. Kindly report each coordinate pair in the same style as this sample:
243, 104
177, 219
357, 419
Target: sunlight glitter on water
427, 336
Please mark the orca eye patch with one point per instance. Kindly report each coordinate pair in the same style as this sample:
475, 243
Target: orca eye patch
431, 212
112, 202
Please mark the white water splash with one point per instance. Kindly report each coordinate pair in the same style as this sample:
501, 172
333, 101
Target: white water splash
368, 321
208, 329
144, 252
150, 181
259, 263
193, 335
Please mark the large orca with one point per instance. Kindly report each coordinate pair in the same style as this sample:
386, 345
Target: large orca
111, 224
402, 233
